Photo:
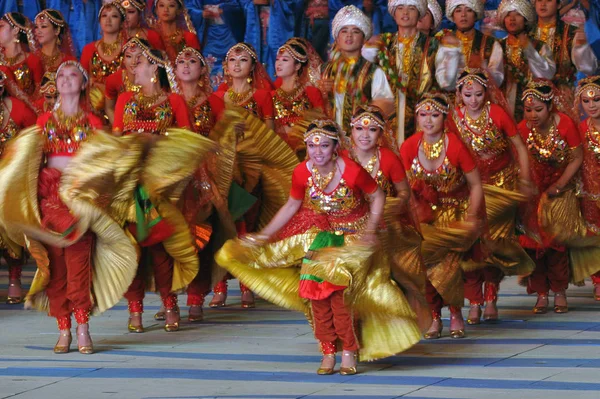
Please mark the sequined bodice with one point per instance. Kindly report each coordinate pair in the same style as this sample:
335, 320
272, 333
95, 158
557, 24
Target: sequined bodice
483, 139
24, 77
101, 69
289, 108
552, 149
446, 179
7, 132
139, 117
65, 135
592, 142
202, 118
340, 202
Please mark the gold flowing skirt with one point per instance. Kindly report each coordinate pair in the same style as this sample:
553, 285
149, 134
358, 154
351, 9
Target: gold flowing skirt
387, 324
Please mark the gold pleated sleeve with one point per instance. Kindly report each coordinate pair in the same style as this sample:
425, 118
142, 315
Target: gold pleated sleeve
505, 251
225, 135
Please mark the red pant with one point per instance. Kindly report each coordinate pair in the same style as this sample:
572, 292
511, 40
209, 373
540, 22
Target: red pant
15, 266
551, 271
156, 257
474, 283
200, 285
70, 277
434, 299
596, 278
333, 321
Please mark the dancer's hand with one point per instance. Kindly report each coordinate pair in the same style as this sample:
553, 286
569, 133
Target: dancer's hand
554, 191
254, 239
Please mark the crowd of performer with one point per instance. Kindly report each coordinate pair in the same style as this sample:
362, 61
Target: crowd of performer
367, 184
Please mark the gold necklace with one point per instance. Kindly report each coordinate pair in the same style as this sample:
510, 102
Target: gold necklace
477, 125
148, 101
49, 60
13, 60
68, 123
433, 151
292, 95
239, 98
323, 181
370, 166
109, 48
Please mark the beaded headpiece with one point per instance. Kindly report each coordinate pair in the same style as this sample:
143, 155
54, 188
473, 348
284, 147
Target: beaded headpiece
523, 7
589, 87
55, 21
49, 86
161, 63
317, 133
133, 43
190, 52
367, 116
436, 12
295, 55
137, 4
475, 5
350, 15
242, 47
26, 28
77, 65
433, 102
473, 75
421, 5
532, 91
114, 4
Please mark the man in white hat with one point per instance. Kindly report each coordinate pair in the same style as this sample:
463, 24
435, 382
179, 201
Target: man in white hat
479, 50
413, 61
348, 78
525, 58
572, 53
431, 22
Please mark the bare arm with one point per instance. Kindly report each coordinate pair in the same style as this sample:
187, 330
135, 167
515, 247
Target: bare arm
270, 124
570, 170
282, 217
403, 191
377, 202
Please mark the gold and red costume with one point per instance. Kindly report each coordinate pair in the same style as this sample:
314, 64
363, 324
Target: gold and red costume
488, 140
99, 69
117, 84
290, 271
442, 196
27, 74
549, 156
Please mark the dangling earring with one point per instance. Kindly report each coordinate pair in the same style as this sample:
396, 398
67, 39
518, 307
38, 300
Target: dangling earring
17, 40
58, 41
249, 80
201, 83
153, 79
335, 155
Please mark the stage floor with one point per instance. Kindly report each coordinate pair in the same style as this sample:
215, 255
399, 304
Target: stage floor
270, 353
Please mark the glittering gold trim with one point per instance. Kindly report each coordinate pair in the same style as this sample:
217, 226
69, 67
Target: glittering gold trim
192, 50
429, 101
316, 134
591, 83
53, 20
368, 117
244, 47
472, 76
76, 65
295, 55
138, 5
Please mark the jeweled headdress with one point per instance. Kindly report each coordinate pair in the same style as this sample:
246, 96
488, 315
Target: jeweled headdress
420, 4
589, 87
318, 132
473, 75
116, 4
433, 102
77, 65
243, 47
137, 4
436, 11
60, 22
23, 28
523, 7
475, 5
49, 85
190, 52
367, 116
132, 43
161, 63
302, 58
533, 91
351, 15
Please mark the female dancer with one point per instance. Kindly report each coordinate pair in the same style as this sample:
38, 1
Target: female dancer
95, 258
174, 27
298, 66
103, 57
555, 157
489, 133
588, 94
135, 23
123, 79
14, 117
205, 109
333, 202
48, 93
247, 86
447, 186
16, 41
53, 39
149, 112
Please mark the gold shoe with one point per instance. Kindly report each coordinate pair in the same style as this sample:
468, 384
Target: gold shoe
173, 324
541, 306
193, 315
348, 370
457, 324
14, 299
248, 300
326, 370
160, 315
457, 333
135, 328
84, 349
491, 311
434, 333
218, 300
560, 308
474, 316
63, 348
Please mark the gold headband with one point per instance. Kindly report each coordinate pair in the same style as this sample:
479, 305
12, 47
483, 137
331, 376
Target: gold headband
295, 54
472, 76
76, 65
190, 52
588, 86
13, 23
134, 42
430, 103
316, 134
55, 21
533, 91
242, 47
114, 4
367, 117
138, 5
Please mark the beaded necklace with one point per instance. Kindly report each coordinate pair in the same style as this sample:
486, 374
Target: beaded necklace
323, 181
433, 151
